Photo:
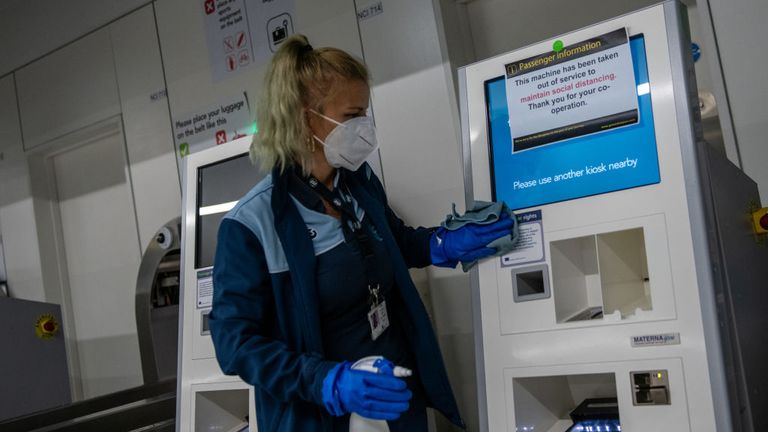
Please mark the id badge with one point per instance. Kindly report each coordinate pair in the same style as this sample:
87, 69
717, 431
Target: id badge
378, 319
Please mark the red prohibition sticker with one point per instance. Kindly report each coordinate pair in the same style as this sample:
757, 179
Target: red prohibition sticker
46, 326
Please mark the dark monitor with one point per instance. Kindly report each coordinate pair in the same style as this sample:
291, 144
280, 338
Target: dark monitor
219, 186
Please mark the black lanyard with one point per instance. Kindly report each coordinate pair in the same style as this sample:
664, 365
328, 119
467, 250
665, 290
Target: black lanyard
343, 204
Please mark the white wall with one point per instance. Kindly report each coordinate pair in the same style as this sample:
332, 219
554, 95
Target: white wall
99, 236
111, 71
67, 90
148, 136
17, 227
32, 29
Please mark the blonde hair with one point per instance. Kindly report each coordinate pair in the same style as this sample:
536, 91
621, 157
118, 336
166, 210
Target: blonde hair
298, 77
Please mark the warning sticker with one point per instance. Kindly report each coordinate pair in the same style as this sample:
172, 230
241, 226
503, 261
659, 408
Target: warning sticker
242, 33
228, 36
204, 288
530, 243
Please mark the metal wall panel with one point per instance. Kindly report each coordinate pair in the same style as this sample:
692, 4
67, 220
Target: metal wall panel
33, 370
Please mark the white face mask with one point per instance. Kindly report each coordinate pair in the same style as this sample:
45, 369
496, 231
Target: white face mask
350, 143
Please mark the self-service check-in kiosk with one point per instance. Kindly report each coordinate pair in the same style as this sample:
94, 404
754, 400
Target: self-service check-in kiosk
633, 301
207, 399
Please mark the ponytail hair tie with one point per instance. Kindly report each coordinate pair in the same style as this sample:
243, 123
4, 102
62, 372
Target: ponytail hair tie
305, 49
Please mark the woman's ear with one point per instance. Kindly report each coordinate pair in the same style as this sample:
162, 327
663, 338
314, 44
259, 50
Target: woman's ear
308, 118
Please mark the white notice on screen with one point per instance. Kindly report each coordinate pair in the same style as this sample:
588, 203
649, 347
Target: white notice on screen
583, 88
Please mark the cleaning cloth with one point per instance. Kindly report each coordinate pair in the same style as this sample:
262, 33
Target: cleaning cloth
484, 213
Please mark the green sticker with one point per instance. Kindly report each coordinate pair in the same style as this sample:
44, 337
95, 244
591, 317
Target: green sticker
557, 46
184, 149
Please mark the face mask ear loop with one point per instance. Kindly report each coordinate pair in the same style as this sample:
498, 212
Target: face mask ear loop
325, 117
315, 138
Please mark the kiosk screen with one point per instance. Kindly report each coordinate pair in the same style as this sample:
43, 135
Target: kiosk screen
595, 158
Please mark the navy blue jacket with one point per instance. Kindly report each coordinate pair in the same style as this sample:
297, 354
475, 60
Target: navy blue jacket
265, 321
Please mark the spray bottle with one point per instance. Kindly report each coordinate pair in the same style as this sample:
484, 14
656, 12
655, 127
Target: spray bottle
379, 365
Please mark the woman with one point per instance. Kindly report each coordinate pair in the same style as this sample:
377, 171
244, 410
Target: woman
311, 270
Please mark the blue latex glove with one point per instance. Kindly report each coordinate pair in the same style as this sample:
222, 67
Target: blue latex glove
376, 396
467, 243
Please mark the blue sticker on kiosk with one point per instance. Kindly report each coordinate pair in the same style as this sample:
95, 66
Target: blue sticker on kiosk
592, 164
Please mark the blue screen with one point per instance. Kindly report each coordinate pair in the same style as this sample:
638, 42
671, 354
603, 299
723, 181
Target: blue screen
578, 167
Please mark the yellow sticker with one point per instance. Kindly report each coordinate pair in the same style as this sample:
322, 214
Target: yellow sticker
46, 326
